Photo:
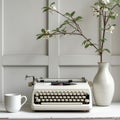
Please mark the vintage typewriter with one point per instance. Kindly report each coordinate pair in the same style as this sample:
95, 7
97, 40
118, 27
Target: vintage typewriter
60, 94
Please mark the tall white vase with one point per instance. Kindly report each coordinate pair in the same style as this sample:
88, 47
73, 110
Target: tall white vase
103, 85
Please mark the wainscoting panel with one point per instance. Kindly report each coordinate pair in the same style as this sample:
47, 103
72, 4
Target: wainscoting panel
22, 21
72, 45
115, 38
14, 79
78, 72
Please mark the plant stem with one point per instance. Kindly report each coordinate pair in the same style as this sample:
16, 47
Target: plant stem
101, 57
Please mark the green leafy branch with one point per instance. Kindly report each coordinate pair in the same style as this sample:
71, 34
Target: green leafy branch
101, 9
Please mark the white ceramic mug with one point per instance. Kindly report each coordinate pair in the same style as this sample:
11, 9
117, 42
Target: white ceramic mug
13, 102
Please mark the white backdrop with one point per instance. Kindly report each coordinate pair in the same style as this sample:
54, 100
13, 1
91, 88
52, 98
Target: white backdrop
60, 57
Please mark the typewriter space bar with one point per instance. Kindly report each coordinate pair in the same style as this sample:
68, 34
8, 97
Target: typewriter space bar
61, 103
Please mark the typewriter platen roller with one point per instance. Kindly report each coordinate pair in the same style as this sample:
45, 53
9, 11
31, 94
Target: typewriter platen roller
61, 95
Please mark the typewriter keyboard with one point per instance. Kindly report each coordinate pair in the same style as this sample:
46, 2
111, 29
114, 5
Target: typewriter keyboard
61, 97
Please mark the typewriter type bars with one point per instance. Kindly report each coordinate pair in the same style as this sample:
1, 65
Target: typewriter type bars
73, 97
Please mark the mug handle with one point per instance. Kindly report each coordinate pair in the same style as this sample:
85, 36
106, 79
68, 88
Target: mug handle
25, 100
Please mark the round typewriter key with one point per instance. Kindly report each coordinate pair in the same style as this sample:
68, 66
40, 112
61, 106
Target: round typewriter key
64, 97
68, 97
44, 93
76, 97
82, 93
84, 97
55, 93
66, 100
49, 97
60, 96
41, 96
74, 100
56, 97
82, 100
45, 97
36, 94
59, 93
79, 96
36, 97
40, 93
87, 100
53, 96
72, 96
37, 100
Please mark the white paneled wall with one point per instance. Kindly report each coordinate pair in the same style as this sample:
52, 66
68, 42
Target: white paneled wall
21, 53
0, 50
59, 57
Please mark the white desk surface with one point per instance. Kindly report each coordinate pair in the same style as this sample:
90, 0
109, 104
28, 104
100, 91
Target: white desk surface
110, 112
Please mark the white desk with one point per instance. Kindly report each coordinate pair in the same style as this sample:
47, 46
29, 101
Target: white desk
111, 112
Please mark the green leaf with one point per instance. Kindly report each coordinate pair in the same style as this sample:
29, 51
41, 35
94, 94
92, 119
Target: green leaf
114, 25
97, 3
107, 50
72, 14
63, 24
112, 17
57, 29
68, 14
66, 22
78, 18
98, 51
53, 3
45, 9
39, 36
83, 43
43, 30
87, 45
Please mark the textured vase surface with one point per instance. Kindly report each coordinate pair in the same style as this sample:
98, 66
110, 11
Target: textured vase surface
103, 85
